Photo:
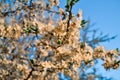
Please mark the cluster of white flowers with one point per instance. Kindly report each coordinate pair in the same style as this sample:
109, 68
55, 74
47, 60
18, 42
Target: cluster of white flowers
58, 50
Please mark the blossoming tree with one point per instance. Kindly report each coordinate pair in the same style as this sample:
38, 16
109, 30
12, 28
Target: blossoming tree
39, 39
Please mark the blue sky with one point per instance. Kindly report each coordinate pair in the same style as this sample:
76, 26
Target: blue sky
106, 15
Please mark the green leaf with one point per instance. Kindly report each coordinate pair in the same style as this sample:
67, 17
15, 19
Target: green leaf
5, 25
71, 63
28, 30
82, 44
1, 58
83, 22
73, 2
34, 28
117, 49
68, 2
67, 8
32, 61
59, 42
89, 61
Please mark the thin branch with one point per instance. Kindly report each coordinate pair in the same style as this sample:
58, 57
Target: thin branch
29, 74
